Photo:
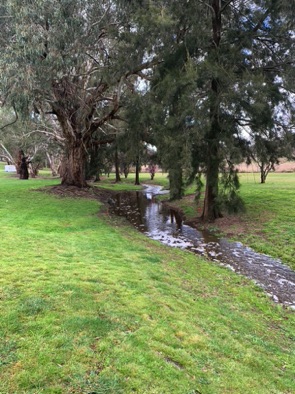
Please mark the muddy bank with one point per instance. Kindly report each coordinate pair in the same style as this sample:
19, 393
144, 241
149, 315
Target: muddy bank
91, 192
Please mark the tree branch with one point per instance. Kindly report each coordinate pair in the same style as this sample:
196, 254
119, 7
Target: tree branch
7, 154
48, 133
142, 67
14, 121
261, 20
226, 5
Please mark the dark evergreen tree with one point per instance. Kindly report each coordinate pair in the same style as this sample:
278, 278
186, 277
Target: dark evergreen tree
243, 56
137, 133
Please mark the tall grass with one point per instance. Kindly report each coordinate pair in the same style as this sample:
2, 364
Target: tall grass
88, 305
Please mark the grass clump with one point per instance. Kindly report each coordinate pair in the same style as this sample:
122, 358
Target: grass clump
88, 305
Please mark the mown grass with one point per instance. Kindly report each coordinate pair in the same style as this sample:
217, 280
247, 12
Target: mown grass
271, 214
108, 182
88, 305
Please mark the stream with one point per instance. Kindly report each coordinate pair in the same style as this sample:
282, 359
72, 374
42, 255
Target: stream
166, 225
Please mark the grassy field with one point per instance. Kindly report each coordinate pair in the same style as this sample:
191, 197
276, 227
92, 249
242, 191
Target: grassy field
88, 305
268, 225
270, 216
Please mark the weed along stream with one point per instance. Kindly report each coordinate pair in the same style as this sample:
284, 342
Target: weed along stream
166, 225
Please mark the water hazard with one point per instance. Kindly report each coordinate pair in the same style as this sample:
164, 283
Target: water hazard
166, 225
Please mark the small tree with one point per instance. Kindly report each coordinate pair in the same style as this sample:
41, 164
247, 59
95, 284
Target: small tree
266, 151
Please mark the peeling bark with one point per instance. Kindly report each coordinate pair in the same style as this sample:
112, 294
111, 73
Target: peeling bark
73, 173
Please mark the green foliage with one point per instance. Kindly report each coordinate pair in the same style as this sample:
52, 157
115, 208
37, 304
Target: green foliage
238, 82
229, 198
267, 149
86, 66
69, 63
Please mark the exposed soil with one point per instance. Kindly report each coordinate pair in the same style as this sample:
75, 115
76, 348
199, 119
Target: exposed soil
229, 225
93, 193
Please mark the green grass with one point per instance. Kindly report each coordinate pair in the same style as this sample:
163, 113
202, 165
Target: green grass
271, 214
128, 183
88, 305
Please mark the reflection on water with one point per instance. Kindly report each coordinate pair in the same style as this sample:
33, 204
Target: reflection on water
166, 225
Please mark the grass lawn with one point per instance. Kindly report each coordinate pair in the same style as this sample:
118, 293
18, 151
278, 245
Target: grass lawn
128, 183
88, 305
268, 225
270, 217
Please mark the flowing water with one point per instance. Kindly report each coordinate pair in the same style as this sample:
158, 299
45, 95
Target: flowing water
166, 225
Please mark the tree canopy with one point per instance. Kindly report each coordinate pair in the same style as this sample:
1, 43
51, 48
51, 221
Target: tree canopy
71, 62
228, 66
195, 77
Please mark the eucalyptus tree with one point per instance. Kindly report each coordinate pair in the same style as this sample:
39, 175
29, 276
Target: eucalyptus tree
30, 137
70, 60
8, 141
268, 147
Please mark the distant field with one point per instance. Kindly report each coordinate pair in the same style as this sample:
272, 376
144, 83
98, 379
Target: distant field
284, 166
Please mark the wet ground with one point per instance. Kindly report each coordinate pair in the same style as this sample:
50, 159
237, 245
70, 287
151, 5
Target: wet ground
166, 225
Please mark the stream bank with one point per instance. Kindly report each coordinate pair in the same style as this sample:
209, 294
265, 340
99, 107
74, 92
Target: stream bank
165, 224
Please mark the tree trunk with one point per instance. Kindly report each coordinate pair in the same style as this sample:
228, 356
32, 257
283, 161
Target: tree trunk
73, 173
52, 166
24, 173
264, 170
176, 182
117, 166
211, 210
18, 161
8, 157
137, 168
77, 140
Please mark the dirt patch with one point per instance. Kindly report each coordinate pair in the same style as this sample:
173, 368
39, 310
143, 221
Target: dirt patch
93, 193
229, 226
233, 226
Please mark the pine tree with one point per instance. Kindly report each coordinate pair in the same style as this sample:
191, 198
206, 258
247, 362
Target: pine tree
243, 55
